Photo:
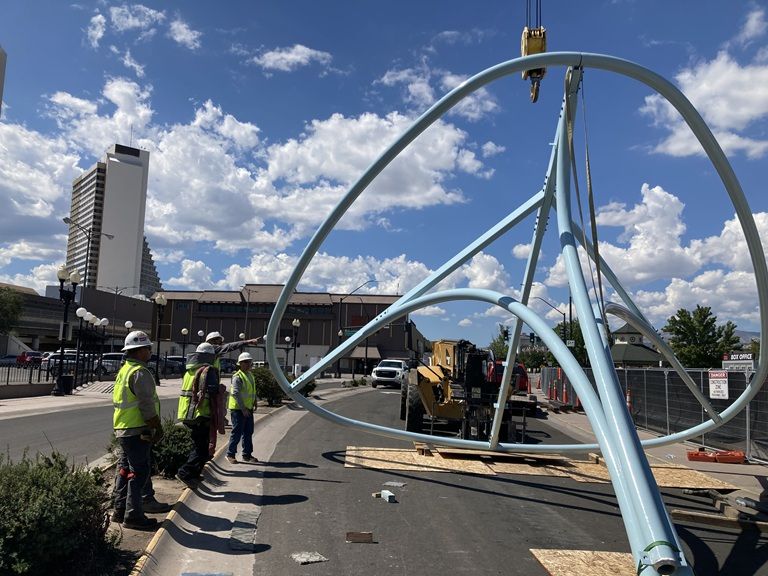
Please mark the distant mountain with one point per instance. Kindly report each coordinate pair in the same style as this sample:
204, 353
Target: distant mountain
746, 336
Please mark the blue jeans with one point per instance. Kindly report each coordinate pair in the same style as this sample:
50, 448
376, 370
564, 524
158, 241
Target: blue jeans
242, 427
132, 481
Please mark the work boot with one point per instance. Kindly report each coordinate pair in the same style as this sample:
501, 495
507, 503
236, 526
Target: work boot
117, 516
140, 523
231, 459
189, 482
154, 507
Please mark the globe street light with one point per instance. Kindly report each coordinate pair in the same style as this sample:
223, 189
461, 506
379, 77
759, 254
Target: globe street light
184, 333
66, 296
287, 350
200, 334
338, 362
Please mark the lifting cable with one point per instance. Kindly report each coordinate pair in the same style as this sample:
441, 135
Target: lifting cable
596, 287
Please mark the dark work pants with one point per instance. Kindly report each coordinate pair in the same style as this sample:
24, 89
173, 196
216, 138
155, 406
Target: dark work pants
242, 427
120, 493
198, 456
135, 457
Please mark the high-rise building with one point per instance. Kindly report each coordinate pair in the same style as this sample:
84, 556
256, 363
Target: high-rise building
108, 206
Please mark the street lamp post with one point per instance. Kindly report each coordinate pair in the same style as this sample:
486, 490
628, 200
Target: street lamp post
564, 327
88, 233
117, 290
200, 335
247, 303
287, 348
340, 333
160, 302
184, 333
295, 323
103, 323
66, 296
80, 313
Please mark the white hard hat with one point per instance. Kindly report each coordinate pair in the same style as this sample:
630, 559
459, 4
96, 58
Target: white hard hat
212, 335
136, 339
244, 357
205, 348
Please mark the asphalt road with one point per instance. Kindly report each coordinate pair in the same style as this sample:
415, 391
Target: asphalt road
446, 523
83, 433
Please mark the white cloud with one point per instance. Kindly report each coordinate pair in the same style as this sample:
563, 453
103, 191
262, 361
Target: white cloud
182, 34
651, 238
754, 27
96, 29
430, 311
420, 93
486, 272
135, 17
730, 247
521, 251
131, 64
465, 322
492, 149
291, 58
38, 278
732, 98
195, 275
167, 256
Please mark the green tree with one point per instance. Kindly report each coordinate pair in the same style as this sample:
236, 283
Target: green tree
10, 309
578, 350
696, 338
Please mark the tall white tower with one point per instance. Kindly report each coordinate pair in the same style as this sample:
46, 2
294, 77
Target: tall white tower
110, 199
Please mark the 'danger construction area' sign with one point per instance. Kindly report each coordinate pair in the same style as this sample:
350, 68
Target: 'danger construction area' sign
718, 384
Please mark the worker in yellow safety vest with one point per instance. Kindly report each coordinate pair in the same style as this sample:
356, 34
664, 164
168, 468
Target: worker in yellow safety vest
242, 405
136, 422
199, 385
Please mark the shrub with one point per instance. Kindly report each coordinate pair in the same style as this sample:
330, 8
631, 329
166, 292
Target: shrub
53, 518
267, 386
173, 449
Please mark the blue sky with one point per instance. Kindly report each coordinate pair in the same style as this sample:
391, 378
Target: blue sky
259, 115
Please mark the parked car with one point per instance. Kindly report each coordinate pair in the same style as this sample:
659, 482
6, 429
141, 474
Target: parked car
167, 365
29, 358
8, 360
181, 360
65, 363
109, 364
390, 373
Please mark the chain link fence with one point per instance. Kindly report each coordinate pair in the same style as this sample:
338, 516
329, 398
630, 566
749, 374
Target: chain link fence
659, 401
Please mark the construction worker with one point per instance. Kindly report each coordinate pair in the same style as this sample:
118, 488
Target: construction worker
136, 421
200, 383
242, 405
217, 341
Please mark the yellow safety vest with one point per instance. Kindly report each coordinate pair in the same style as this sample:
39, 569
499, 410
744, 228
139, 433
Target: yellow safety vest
127, 413
185, 399
247, 391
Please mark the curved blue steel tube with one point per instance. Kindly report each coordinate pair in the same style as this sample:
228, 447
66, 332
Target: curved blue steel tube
414, 299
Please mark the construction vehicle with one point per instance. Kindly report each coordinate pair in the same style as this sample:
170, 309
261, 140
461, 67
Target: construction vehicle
457, 392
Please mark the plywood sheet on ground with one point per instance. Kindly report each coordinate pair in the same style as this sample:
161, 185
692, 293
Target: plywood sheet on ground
580, 562
525, 467
398, 459
666, 477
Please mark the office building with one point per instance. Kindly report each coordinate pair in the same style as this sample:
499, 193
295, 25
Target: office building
106, 232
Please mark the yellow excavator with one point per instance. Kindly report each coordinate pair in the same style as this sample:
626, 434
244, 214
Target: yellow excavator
533, 41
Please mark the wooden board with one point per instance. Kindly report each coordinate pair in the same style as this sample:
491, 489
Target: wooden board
581, 562
666, 477
398, 459
449, 451
525, 468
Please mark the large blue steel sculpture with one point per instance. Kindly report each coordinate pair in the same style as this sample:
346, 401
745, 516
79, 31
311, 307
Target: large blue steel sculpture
652, 537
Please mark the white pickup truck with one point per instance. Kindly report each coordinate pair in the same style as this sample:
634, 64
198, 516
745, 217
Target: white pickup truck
390, 373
